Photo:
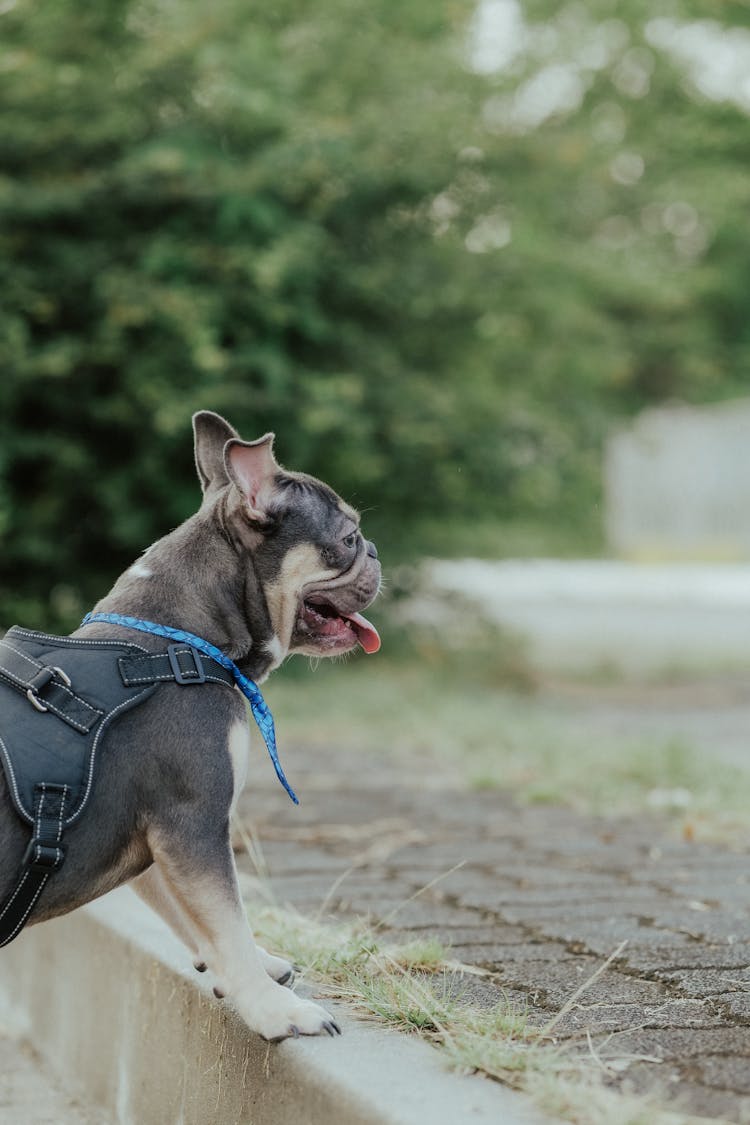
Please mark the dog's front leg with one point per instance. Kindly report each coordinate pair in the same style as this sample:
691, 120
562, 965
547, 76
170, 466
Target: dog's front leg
199, 875
154, 889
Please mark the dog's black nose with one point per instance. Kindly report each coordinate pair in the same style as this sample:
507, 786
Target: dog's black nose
372, 550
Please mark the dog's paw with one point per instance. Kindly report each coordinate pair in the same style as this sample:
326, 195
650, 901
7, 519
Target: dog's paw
277, 968
279, 1014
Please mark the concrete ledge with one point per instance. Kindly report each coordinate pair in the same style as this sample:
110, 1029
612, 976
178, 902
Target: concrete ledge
108, 997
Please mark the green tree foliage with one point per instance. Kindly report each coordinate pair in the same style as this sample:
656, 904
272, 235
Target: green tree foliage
202, 209
329, 220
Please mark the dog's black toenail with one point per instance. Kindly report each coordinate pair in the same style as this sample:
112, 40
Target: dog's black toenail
219, 994
329, 1028
336, 1027
200, 966
287, 978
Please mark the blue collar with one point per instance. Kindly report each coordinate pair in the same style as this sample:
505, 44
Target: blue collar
249, 689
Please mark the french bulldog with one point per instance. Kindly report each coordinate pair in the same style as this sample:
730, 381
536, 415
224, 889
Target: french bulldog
273, 563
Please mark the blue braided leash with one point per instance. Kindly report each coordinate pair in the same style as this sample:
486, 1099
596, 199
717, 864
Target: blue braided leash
249, 688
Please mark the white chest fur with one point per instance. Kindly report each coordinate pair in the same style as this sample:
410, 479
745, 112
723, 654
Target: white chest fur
239, 752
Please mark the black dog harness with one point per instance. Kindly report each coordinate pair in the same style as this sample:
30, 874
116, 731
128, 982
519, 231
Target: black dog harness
58, 697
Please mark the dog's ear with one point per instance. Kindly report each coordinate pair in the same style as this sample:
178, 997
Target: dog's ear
212, 433
253, 468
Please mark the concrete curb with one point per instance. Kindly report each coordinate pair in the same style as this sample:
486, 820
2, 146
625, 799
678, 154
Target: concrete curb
108, 997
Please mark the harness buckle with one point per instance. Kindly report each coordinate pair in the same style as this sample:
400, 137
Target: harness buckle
189, 675
40, 680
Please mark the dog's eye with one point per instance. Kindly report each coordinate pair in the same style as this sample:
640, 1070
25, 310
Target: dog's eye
350, 540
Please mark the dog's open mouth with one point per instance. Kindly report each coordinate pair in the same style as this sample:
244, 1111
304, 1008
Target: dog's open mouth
331, 628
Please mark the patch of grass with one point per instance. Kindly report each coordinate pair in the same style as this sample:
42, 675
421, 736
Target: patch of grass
556, 760
401, 986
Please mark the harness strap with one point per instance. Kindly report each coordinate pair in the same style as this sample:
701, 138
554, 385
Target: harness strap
44, 855
46, 687
180, 663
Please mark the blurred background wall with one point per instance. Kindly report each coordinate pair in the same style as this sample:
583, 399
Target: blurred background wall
444, 249
677, 484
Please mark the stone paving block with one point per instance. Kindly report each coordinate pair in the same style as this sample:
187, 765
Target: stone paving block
466, 881
470, 989
600, 1018
381, 912
403, 915
727, 891
605, 935
369, 883
590, 900
664, 876
678, 1012
531, 872
558, 982
308, 887
550, 951
571, 916
438, 856
488, 810
472, 849
699, 860
621, 1017
542, 820
708, 982
666, 953
486, 956
633, 900
711, 924
600, 852
316, 810
727, 1071
683, 1044
738, 1005
490, 934
289, 857
313, 907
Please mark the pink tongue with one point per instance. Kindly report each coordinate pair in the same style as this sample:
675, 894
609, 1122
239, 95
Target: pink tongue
367, 634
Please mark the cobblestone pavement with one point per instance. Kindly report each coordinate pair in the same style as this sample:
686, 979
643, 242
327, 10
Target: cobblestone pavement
542, 898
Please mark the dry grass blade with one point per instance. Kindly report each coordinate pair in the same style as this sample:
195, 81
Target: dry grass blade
252, 845
571, 1001
385, 921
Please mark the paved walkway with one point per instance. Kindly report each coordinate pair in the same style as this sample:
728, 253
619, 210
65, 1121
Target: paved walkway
29, 1096
542, 898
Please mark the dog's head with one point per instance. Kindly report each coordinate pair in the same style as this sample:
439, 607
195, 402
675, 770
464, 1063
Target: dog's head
316, 570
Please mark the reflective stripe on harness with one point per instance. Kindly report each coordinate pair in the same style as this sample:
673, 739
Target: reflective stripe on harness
44, 855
